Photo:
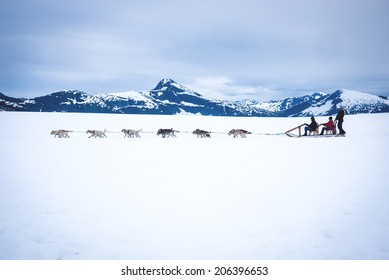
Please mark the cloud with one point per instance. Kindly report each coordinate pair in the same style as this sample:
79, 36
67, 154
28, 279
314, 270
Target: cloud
247, 48
226, 89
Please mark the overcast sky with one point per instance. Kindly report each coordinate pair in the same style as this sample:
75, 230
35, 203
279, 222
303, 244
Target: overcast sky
227, 49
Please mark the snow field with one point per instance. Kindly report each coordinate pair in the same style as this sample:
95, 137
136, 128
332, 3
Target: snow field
263, 197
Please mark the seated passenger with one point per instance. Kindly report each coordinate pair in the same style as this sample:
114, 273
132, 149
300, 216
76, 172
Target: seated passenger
328, 126
313, 126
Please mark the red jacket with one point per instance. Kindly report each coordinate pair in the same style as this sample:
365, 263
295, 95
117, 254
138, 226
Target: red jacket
330, 125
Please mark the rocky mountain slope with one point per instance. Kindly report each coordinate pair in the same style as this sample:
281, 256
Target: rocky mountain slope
169, 97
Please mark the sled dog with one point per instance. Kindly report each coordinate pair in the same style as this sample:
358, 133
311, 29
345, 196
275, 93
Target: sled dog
202, 133
166, 132
239, 132
60, 133
131, 133
96, 133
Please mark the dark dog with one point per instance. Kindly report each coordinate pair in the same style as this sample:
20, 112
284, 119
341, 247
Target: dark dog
202, 133
166, 132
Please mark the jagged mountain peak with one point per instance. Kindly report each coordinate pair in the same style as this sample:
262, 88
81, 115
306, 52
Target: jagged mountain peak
169, 89
165, 84
172, 86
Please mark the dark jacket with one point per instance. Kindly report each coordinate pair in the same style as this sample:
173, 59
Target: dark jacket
313, 125
340, 115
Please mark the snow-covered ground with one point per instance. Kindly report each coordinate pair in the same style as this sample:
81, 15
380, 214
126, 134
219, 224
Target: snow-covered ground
263, 197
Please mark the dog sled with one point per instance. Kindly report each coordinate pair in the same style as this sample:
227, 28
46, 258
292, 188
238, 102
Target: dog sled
297, 132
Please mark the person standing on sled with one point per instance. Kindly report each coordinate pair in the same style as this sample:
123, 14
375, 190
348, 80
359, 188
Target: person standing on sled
311, 127
339, 120
328, 126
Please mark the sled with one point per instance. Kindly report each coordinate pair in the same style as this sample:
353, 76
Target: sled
296, 132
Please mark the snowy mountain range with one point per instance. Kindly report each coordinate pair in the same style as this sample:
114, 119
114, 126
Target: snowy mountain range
170, 98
